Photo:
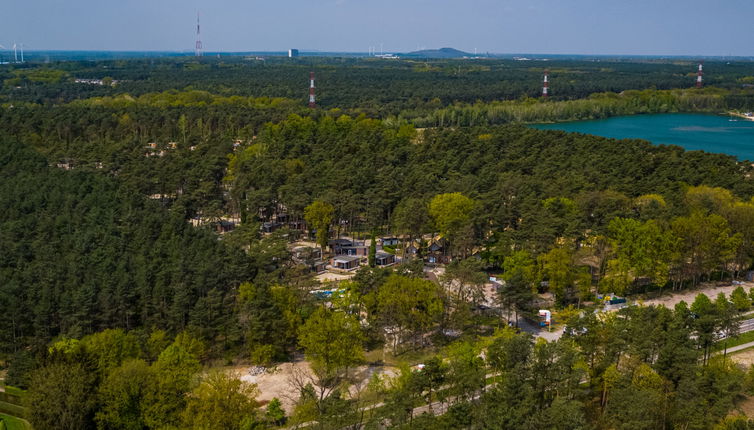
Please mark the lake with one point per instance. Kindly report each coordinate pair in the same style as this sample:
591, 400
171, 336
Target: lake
710, 133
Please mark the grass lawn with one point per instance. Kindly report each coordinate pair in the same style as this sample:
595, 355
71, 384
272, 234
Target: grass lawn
13, 423
9, 408
735, 341
14, 391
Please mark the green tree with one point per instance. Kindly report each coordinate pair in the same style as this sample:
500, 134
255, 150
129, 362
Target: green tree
62, 396
319, 215
274, 412
121, 395
642, 249
521, 277
740, 299
706, 322
452, 214
558, 268
175, 371
111, 347
729, 319
464, 282
407, 308
332, 343
221, 401
410, 218
372, 251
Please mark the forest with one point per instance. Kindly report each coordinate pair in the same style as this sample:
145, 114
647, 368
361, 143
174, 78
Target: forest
119, 311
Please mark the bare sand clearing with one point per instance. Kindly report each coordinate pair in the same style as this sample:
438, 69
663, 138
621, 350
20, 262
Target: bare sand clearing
277, 381
280, 382
744, 358
329, 276
711, 290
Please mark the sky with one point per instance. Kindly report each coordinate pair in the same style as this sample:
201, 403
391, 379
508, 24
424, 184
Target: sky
590, 27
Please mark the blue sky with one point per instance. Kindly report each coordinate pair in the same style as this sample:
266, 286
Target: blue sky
631, 27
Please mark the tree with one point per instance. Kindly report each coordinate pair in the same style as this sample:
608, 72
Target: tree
372, 252
175, 371
410, 218
729, 319
740, 299
221, 401
464, 282
121, 395
61, 396
642, 249
408, 308
332, 343
557, 266
319, 215
451, 213
111, 347
275, 413
520, 276
706, 244
706, 322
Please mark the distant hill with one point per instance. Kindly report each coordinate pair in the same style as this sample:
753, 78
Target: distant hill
438, 53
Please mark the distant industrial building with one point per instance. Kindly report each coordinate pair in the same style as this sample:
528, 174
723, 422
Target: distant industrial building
292, 53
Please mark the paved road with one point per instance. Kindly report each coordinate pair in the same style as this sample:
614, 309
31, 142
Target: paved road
739, 347
747, 325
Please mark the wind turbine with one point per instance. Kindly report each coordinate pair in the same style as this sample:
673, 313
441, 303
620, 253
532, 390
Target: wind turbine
15, 53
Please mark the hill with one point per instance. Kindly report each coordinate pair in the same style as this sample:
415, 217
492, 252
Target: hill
438, 53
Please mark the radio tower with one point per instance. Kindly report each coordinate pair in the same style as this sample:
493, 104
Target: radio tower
198, 48
312, 103
699, 74
546, 84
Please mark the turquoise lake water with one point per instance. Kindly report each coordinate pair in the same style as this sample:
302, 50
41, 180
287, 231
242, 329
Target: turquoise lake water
710, 133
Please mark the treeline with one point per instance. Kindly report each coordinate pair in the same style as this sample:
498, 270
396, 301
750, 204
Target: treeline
380, 88
116, 379
642, 246
601, 105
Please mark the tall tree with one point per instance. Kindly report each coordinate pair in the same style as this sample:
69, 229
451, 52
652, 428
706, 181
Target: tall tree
452, 214
221, 401
332, 343
319, 215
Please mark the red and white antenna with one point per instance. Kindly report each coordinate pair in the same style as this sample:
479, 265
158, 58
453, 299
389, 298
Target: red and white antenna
699, 74
198, 48
312, 103
546, 84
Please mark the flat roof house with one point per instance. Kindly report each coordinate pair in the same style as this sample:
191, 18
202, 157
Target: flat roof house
384, 259
346, 262
390, 241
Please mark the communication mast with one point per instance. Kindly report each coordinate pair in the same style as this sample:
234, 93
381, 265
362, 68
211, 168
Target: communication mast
198, 48
699, 75
312, 103
546, 84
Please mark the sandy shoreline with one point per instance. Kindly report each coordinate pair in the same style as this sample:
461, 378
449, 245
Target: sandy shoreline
740, 115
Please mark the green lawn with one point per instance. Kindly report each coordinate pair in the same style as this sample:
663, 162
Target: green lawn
15, 410
14, 391
13, 423
735, 341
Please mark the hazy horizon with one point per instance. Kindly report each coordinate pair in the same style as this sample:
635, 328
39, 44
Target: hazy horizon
546, 27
